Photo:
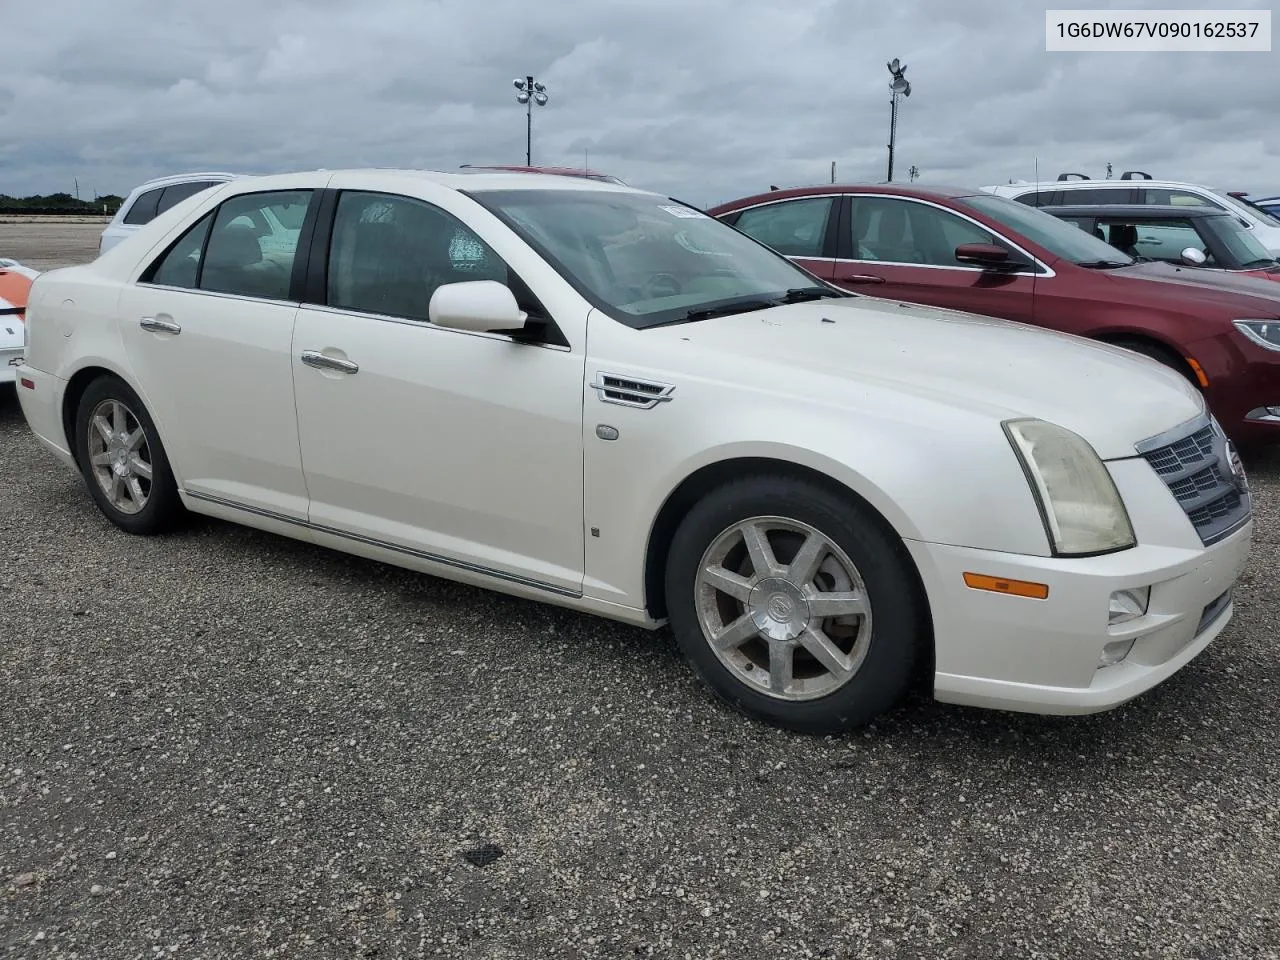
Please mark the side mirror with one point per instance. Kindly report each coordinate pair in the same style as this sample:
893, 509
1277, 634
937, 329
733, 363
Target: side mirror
481, 306
989, 256
1193, 257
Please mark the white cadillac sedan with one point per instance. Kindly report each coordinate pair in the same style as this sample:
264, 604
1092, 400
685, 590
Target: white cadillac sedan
598, 397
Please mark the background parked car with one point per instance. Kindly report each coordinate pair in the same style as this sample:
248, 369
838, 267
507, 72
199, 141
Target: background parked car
1135, 188
1201, 237
153, 198
974, 251
15, 284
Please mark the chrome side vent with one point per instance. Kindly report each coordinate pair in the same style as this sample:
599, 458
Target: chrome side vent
630, 392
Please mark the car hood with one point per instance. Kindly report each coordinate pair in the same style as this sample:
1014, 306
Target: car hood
1112, 397
1210, 292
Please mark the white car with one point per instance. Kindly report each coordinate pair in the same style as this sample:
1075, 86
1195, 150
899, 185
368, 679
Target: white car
15, 284
146, 202
1131, 189
593, 396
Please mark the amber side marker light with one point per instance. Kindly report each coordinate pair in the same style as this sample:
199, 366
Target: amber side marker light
1198, 371
1014, 588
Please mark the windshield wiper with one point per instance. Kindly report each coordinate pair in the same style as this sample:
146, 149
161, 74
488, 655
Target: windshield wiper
1105, 264
801, 294
720, 310
794, 295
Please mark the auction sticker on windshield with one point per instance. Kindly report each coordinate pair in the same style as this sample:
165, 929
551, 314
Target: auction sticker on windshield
683, 212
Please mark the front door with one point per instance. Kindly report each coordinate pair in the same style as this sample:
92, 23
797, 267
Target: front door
448, 446
211, 336
904, 249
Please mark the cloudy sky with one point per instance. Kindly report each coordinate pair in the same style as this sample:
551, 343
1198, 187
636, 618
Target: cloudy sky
703, 99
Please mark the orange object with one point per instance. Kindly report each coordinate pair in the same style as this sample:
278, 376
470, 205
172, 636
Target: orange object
1204, 381
15, 284
1014, 588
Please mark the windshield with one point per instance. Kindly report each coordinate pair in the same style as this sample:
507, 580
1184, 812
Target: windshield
1057, 236
1251, 208
643, 259
1243, 246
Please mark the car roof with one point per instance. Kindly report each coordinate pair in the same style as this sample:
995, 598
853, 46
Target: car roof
187, 177
1133, 211
470, 181
1084, 184
918, 191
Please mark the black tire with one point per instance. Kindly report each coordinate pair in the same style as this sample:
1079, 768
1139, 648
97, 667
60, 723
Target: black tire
162, 508
1159, 353
898, 627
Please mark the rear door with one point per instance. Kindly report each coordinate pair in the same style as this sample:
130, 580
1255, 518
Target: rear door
209, 330
800, 228
904, 249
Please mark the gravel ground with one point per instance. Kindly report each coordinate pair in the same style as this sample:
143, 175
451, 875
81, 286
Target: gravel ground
226, 744
47, 242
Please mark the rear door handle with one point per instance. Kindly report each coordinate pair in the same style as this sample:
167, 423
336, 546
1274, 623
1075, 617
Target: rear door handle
861, 278
156, 325
322, 361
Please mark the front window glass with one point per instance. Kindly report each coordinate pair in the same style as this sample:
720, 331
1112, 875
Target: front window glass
890, 230
389, 254
641, 258
1046, 230
1155, 239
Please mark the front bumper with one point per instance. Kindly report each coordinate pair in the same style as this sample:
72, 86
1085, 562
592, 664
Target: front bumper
1042, 656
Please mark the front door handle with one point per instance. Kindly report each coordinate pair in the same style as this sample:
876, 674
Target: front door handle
156, 325
861, 278
322, 361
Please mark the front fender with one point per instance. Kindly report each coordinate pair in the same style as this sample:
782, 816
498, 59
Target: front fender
945, 476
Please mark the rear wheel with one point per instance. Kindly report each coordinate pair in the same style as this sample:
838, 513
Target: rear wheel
795, 605
123, 460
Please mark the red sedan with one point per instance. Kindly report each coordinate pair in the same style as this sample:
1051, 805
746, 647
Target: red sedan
974, 251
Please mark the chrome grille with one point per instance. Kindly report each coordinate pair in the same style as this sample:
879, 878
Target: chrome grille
1195, 463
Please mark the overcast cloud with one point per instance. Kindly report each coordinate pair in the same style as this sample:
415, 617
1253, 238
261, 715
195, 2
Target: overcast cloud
703, 99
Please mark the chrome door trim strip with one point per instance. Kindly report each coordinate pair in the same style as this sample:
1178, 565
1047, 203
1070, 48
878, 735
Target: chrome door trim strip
384, 545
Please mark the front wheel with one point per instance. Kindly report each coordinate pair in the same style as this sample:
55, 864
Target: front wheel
795, 605
123, 460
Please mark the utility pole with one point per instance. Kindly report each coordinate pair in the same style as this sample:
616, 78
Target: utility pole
530, 92
899, 85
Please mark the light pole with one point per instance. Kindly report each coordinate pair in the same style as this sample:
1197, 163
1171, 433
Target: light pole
530, 93
898, 85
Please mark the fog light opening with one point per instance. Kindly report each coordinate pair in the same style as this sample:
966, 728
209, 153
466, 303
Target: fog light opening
1128, 605
1115, 651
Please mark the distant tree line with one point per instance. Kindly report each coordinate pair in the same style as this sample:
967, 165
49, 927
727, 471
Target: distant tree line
60, 203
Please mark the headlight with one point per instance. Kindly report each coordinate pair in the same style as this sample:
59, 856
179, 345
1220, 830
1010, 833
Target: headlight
1081, 507
1265, 333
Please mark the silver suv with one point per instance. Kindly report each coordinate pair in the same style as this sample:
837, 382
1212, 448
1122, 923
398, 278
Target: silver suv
153, 198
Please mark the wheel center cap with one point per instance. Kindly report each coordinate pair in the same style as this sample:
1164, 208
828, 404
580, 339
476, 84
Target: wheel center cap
778, 608
119, 452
